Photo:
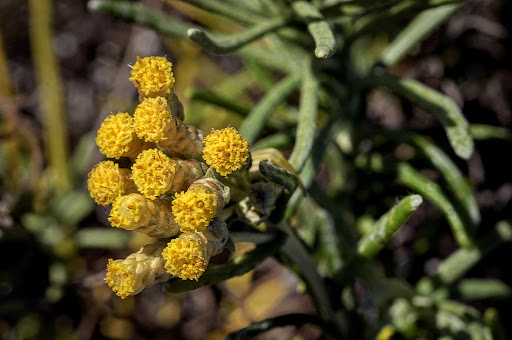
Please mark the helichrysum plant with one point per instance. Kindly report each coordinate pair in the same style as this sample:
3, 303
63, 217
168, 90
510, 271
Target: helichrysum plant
174, 190
333, 203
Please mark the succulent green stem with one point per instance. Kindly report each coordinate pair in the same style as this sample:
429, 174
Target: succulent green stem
415, 32
411, 178
139, 14
318, 27
387, 226
462, 260
440, 105
306, 124
452, 176
255, 121
225, 44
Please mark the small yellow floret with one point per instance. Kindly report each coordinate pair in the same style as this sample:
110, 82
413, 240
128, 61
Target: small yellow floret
120, 278
105, 182
185, 258
125, 211
225, 150
151, 118
194, 209
153, 173
115, 135
153, 76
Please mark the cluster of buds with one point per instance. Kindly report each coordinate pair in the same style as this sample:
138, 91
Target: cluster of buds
174, 184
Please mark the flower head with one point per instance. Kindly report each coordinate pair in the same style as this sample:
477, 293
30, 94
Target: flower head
225, 150
107, 181
185, 258
152, 76
139, 270
153, 173
194, 209
121, 278
116, 136
151, 119
138, 213
127, 210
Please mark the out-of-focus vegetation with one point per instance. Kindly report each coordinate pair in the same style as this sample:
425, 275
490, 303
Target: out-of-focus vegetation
395, 114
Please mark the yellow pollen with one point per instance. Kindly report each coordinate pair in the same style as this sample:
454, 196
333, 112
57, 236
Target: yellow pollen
185, 258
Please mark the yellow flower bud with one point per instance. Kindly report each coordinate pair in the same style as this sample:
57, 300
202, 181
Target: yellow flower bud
154, 122
107, 181
151, 118
196, 207
187, 256
116, 137
138, 213
225, 150
155, 173
138, 271
152, 76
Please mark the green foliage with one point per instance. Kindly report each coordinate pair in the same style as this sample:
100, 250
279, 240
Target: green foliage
312, 66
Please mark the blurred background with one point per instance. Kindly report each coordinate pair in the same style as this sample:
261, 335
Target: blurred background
63, 69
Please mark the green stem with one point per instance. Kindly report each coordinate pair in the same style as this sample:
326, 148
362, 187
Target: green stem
481, 289
294, 319
255, 121
452, 176
225, 9
462, 260
408, 176
139, 14
221, 101
415, 32
483, 132
318, 27
387, 226
295, 250
306, 124
225, 44
440, 105
50, 92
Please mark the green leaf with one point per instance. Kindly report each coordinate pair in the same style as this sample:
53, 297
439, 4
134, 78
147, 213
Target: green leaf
218, 44
452, 176
387, 225
440, 105
318, 27
295, 319
411, 178
417, 30
462, 260
306, 124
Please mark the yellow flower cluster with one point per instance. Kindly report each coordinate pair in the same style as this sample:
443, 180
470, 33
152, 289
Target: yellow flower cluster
225, 150
169, 188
